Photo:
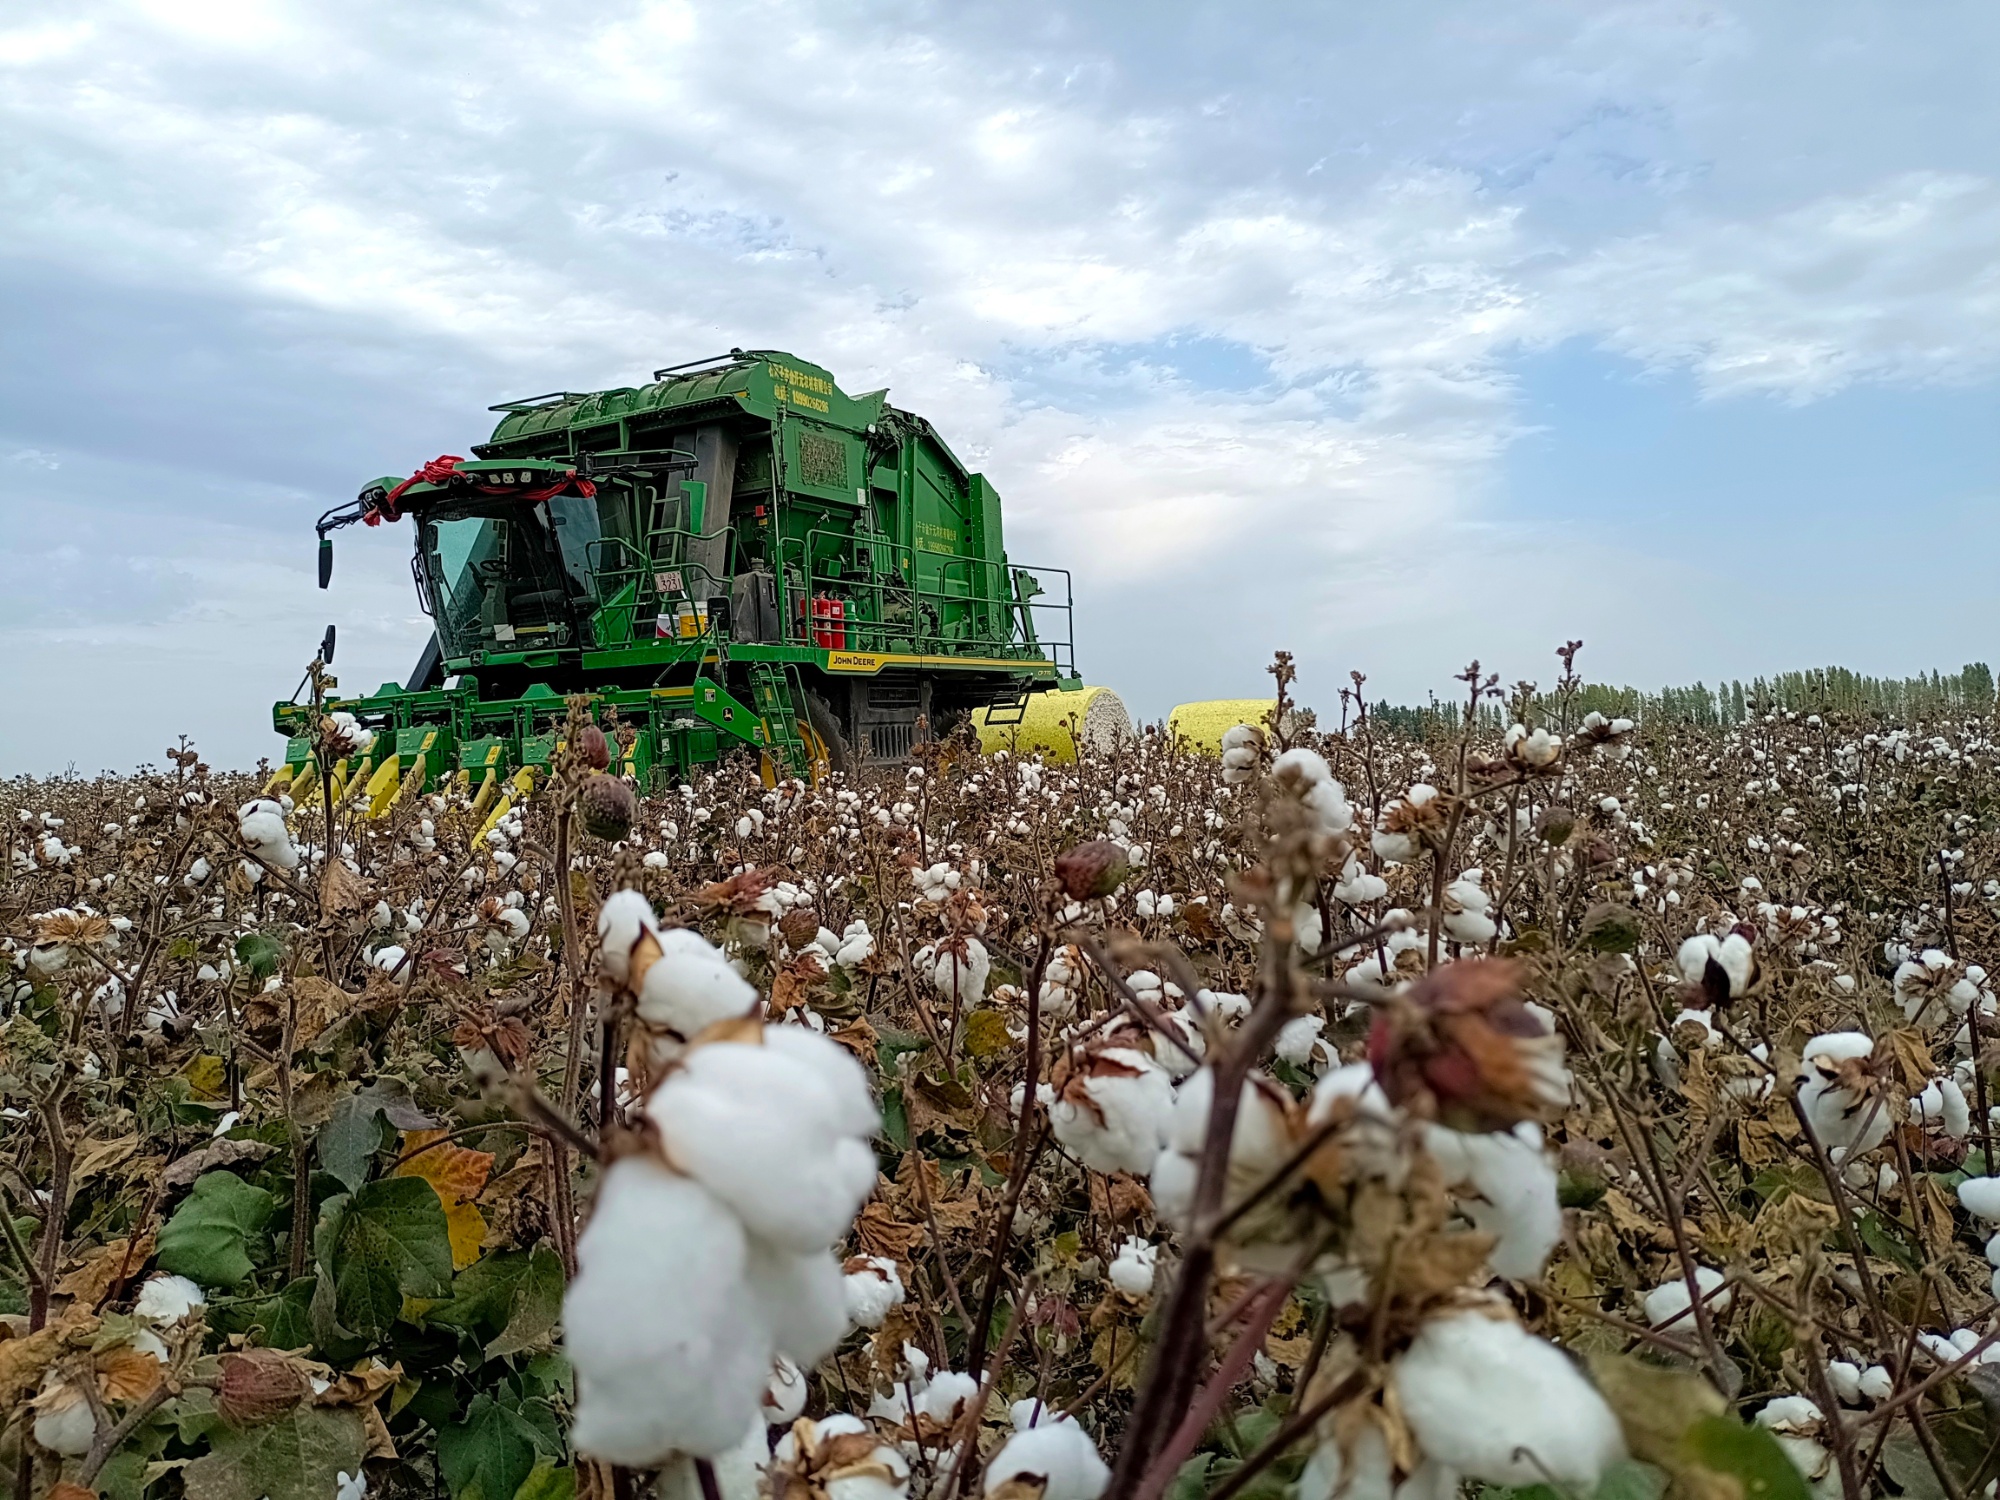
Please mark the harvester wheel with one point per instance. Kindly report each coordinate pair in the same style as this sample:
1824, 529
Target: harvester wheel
831, 751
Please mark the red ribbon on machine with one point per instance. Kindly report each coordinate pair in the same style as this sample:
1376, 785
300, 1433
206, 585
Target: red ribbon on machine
445, 466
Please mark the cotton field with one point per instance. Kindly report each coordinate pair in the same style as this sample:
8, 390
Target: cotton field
1577, 1105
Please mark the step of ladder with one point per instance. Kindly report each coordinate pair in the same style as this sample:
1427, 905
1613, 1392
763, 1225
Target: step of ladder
777, 695
1003, 713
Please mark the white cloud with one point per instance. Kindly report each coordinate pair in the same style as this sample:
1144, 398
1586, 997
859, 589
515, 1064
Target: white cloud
1034, 226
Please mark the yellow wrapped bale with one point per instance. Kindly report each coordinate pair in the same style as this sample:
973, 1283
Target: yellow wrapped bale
1101, 722
1201, 726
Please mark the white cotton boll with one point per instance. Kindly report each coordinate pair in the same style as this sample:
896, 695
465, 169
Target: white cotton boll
883, 1475
778, 1131
1058, 1455
381, 917
1297, 1038
1981, 1197
1845, 1378
1363, 1473
671, 1349
691, 986
1465, 910
166, 1299
957, 968
738, 1472
802, 1298
784, 1394
857, 945
1954, 1114
1876, 1383
1357, 886
625, 917
1486, 1397
654, 860
390, 961
63, 1427
1112, 1113
871, 1289
1847, 1122
1669, 1303
1133, 1268
1516, 1189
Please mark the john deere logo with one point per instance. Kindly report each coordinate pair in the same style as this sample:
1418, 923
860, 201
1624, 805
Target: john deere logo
854, 661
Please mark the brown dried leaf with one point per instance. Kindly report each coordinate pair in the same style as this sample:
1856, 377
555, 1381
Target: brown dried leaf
24, 1360
1912, 1055
103, 1156
100, 1270
320, 1003
858, 1037
221, 1153
128, 1374
879, 1232
341, 892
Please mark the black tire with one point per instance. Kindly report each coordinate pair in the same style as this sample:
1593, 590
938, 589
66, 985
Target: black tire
826, 724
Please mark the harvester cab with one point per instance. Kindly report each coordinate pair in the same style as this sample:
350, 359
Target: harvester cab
735, 556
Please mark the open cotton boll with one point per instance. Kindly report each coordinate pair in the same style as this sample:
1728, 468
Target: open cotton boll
1834, 1092
1844, 1376
1298, 1038
691, 986
1133, 1268
1056, 1456
857, 945
670, 1347
1357, 886
261, 825
1465, 910
1669, 1303
778, 1132
825, 1456
1981, 1198
801, 1297
784, 1394
625, 917
872, 1285
1489, 1399
166, 1299
1733, 959
1515, 1184
957, 968
1111, 1112
737, 1473
63, 1420
939, 1399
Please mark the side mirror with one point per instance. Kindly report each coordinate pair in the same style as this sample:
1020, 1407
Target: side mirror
325, 561
326, 645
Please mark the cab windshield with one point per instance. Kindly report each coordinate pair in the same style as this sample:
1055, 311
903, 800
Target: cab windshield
501, 575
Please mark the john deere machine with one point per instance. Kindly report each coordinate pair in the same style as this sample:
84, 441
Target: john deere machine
737, 556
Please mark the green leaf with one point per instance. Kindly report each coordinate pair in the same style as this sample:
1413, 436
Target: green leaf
548, 1482
1882, 1238
207, 1240
1751, 1454
535, 1306
284, 1319
259, 954
376, 1246
1610, 928
1631, 1480
353, 1133
1190, 1481
492, 1452
300, 1456
512, 1299
895, 1119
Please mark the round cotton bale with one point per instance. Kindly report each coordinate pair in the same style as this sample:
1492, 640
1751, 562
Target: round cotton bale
1101, 723
1201, 726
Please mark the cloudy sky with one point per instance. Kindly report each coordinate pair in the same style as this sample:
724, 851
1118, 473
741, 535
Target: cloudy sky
1394, 335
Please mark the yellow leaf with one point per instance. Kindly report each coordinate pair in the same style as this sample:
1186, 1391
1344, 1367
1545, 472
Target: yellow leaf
206, 1075
986, 1034
456, 1174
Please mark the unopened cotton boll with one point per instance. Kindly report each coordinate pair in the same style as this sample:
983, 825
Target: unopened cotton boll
779, 1132
671, 1349
1489, 1399
1055, 1454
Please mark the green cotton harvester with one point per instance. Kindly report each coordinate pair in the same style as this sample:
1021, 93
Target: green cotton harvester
738, 556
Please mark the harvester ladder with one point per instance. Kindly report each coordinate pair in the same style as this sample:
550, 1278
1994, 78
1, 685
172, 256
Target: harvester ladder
1004, 713
776, 694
